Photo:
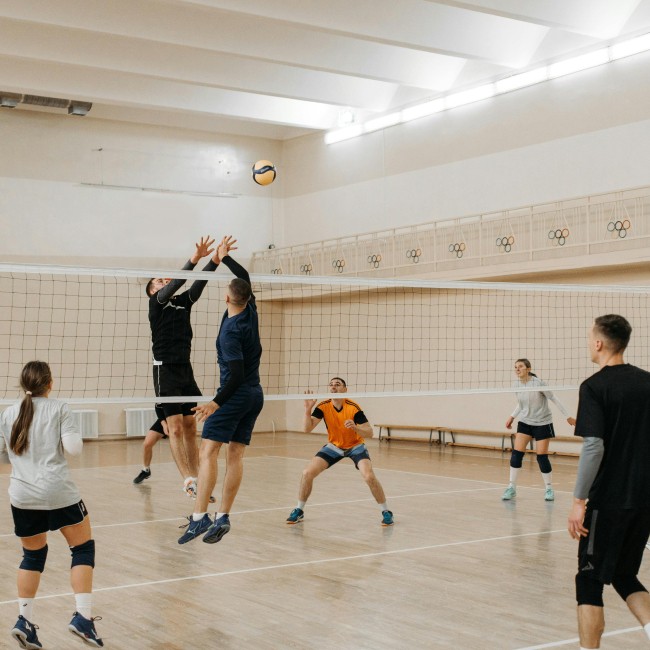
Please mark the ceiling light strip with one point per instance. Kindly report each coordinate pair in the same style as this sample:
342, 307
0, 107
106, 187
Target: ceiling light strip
514, 82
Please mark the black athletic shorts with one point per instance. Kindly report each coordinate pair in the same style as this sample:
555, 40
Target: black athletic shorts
615, 543
537, 431
28, 523
158, 428
171, 379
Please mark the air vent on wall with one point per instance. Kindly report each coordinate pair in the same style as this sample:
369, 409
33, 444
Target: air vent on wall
11, 100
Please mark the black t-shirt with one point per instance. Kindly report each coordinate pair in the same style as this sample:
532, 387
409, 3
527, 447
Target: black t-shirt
169, 317
615, 405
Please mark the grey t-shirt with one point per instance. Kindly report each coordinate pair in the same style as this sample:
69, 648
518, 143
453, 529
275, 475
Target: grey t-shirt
40, 479
533, 406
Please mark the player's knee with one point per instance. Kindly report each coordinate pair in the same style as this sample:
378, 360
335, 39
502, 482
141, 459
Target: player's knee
627, 585
589, 591
34, 560
544, 463
516, 458
83, 554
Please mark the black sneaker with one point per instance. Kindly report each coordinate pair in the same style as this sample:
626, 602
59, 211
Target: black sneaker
85, 628
145, 473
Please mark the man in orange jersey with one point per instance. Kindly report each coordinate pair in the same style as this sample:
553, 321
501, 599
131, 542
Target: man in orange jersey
346, 424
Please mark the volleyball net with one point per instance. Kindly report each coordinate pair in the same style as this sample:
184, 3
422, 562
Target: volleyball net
382, 336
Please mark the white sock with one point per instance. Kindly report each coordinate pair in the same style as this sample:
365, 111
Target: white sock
147, 469
221, 514
301, 504
197, 516
383, 506
646, 627
26, 608
513, 476
547, 479
84, 604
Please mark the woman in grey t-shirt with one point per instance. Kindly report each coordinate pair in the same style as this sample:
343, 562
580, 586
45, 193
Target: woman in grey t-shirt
33, 437
535, 422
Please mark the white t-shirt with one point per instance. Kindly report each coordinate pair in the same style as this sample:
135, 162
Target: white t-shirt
533, 406
40, 479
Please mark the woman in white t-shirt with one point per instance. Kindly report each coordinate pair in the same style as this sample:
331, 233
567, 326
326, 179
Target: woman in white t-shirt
535, 421
33, 436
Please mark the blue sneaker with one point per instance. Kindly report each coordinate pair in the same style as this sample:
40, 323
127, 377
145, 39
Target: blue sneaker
217, 530
296, 515
85, 628
195, 528
387, 518
25, 633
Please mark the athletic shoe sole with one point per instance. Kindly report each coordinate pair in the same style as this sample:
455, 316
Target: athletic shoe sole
297, 521
83, 637
21, 637
212, 537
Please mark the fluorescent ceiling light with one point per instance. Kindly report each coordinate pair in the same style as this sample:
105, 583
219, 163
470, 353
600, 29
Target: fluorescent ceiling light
343, 134
382, 122
627, 48
469, 96
421, 110
522, 80
578, 63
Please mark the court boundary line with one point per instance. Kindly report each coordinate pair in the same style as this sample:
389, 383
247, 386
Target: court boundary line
288, 565
558, 644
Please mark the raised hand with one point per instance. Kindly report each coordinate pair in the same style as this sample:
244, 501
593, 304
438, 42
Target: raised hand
309, 403
203, 248
226, 245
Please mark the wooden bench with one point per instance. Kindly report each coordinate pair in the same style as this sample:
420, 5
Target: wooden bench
502, 435
411, 427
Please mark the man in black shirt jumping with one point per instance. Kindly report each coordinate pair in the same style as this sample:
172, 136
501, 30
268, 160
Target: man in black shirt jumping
611, 506
171, 337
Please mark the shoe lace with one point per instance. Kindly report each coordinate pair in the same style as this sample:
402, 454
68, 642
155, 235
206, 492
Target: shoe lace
189, 521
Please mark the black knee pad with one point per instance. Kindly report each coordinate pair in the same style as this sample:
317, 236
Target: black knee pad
589, 591
34, 560
84, 554
626, 585
516, 458
544, 463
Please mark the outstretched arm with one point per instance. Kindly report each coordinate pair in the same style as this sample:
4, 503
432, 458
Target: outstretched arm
224, 253
202, 249
309, 421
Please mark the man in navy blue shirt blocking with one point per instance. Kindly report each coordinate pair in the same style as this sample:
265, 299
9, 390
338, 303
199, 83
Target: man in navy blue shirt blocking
231, 415
611, 505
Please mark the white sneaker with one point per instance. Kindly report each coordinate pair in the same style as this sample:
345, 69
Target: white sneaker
189, 487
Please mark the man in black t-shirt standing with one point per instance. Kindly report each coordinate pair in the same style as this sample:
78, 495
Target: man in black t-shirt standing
171, 338
611, 506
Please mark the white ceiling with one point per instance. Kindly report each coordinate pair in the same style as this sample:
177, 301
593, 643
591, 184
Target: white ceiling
283, 68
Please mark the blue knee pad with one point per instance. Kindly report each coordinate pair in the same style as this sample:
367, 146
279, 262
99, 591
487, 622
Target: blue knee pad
544, 463
589, 591
516, 458
627, 585
34, 560
84, 554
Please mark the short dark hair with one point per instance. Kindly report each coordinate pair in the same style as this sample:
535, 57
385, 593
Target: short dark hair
149, 286
341, 380
616, 329
240, 291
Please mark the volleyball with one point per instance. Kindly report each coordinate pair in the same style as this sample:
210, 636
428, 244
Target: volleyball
263, 172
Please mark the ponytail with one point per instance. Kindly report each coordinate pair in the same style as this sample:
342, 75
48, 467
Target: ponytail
35, 380
19, 440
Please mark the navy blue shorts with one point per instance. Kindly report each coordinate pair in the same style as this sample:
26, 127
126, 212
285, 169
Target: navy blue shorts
537, 431
234, 421
332, 454
28, 523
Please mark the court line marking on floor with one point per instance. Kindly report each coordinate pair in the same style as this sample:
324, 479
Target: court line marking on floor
285, 508
558, 644
290, 565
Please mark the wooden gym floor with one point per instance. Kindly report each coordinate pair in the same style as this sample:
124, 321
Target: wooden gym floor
460, 568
